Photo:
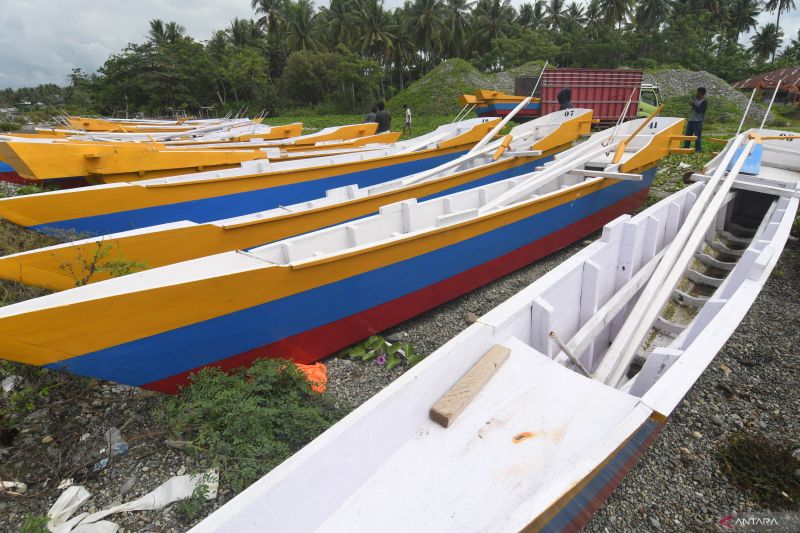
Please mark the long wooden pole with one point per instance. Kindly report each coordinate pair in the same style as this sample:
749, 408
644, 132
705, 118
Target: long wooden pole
746, 109
771, 101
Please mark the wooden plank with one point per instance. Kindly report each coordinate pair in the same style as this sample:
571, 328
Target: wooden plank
455, 400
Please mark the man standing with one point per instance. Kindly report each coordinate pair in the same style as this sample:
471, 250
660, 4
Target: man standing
564, 97
694, 125
407, 122
383, 118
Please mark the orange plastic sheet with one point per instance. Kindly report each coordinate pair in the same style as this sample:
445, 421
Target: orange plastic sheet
317, 374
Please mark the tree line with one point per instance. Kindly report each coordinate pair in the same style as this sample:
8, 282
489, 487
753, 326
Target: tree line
353, 52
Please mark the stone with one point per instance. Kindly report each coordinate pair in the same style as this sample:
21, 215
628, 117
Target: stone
717, 420
697, 434
655, 522
181, 471
797, 474
128, 485
470, 317
47, 439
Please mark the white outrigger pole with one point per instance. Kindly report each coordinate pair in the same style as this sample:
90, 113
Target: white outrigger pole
489, 136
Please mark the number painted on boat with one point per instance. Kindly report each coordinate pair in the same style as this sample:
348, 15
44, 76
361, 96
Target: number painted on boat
789, 138
653, 125
569, 112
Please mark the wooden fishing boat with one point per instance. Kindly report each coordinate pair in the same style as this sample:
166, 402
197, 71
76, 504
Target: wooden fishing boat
136, 126
229, 132
307, 296
498, 430
488, 103
112, 162
252, 187
89, 260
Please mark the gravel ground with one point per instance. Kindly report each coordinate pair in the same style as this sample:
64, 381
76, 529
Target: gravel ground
681, 483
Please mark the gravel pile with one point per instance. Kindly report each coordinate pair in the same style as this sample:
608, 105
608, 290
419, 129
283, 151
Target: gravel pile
678, 82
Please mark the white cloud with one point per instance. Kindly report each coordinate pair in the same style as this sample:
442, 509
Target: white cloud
42, 40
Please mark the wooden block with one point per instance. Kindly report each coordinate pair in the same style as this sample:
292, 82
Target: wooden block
455, 400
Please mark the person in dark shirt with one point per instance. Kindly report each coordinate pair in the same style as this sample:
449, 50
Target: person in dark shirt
564, 97
372, 115
694, 125
383, 118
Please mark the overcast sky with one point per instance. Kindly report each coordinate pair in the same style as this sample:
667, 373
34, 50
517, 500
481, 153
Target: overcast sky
42, 40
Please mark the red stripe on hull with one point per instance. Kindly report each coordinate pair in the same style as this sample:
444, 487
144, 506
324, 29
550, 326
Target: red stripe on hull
65, 183
314, 344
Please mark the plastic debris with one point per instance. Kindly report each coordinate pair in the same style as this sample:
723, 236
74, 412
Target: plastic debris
116, 444
14, 488
174, 489
10, 382
317, 374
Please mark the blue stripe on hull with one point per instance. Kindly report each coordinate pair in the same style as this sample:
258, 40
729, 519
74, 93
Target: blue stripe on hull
166, 354
5, 167
231, 205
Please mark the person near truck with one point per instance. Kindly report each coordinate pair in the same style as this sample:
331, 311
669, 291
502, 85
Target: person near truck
407, 120
694, 124
383, 118
564, 97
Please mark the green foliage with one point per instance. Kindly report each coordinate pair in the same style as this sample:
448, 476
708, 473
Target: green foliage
31, 392
378, 349
192, 507
34, 524
86, 267
343, 79
762, 468
719, 109
249, 421
437, 93
7, 125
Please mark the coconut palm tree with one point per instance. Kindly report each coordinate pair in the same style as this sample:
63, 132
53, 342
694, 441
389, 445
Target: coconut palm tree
616, 11
376, 36
156, 34
300, 17
766, 41
243, 32
779, 6
426, 22
526, 19
741, 17
573, 17
271, 12
457, 20
555, 14
173, 31
340, 24
403, 54
493, 19
650, 14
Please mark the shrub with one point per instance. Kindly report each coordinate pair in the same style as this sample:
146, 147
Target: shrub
248, 421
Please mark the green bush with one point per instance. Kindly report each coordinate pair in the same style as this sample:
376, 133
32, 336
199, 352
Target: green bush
249, 421
9, 125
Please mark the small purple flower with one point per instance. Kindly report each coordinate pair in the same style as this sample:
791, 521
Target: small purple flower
381, 359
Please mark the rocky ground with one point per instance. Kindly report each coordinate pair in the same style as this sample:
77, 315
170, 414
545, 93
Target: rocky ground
747, 402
